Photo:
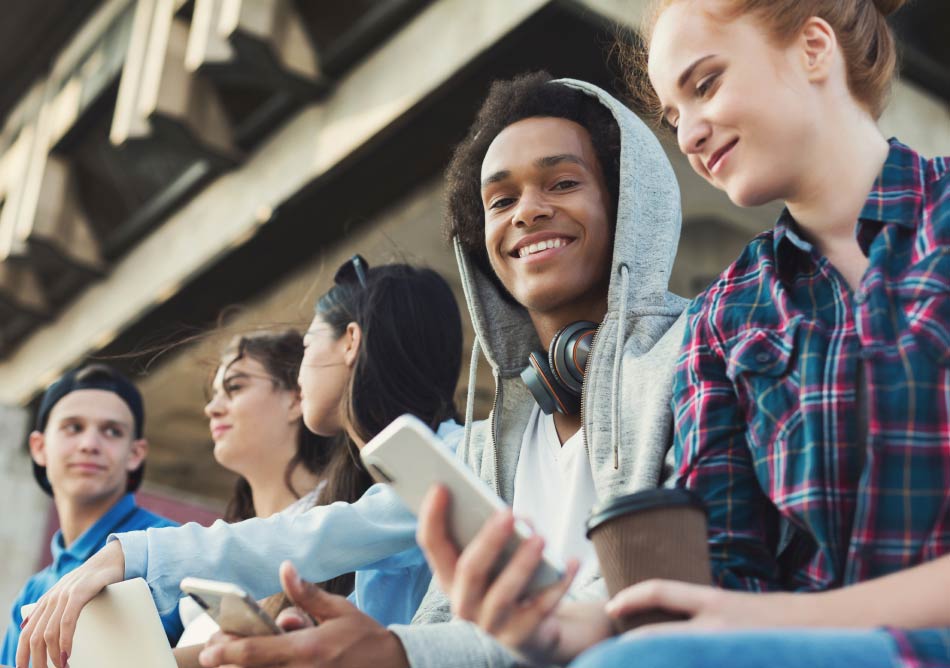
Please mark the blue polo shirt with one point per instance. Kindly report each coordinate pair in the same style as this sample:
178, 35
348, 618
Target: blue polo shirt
123, 516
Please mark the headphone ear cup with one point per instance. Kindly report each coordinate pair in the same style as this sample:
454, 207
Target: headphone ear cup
567, 357
546, 389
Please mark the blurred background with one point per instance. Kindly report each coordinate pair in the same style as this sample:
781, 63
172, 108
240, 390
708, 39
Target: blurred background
181, 170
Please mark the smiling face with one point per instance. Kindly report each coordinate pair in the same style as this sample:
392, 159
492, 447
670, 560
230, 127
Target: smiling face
548, 230
88, 447
253, 420
745, 112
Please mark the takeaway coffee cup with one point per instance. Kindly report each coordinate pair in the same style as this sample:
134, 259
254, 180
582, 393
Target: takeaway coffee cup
658, 533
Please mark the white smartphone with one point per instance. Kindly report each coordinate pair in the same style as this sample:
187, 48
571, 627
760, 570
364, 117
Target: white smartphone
231, 607
410, 458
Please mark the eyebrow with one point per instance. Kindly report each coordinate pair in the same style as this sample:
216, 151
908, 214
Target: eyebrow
545, 162
687, 73
107, 422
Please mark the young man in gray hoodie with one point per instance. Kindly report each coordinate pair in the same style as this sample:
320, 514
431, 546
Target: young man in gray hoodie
563, 208
557, 217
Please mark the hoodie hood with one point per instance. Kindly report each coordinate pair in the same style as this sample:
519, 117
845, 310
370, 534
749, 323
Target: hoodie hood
628, 383
645, 242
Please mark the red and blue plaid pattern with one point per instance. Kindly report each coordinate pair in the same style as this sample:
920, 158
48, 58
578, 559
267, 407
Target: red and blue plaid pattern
800, 496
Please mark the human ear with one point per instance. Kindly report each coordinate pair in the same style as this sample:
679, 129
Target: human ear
353, 338
38, 447
295, 410
137, 454
819, 46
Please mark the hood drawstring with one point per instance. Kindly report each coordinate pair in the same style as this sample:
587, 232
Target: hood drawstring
618, 358
470, 399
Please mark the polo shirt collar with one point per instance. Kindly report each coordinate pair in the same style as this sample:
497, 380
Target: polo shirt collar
94, 537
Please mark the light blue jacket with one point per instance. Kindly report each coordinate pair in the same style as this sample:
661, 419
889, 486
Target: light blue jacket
374, 536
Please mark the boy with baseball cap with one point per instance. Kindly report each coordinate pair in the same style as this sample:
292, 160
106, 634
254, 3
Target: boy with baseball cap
88, 454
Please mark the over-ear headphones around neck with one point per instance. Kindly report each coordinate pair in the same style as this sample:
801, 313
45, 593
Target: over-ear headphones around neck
555, 379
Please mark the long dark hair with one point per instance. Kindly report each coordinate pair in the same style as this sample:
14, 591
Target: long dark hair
280, 354
411, 351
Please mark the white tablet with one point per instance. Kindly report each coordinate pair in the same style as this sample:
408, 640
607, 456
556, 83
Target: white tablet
119, 628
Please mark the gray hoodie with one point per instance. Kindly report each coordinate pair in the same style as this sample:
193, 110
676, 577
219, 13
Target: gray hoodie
625, 407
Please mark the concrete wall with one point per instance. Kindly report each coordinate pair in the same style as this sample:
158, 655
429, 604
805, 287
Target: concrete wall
24, 506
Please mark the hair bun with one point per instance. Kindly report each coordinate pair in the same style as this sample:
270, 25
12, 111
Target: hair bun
888, 7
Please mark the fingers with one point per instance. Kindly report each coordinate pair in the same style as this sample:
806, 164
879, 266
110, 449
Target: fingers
433, 536
509, 587
24, 646
51, 631
226, 649
476, 563
668, 595
35, 633
51, 626
530, 614
294, 619
68, 615
310, 598
664, 628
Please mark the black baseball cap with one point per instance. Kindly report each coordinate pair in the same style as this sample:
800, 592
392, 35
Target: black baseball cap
92, 377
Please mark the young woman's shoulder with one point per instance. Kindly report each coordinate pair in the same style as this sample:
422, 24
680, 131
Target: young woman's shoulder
756, 259
937, 195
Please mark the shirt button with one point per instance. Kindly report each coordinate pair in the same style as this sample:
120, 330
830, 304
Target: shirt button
860, 297
762, 358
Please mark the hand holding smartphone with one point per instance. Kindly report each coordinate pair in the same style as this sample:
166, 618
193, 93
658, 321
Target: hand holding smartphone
234, 610
410, 458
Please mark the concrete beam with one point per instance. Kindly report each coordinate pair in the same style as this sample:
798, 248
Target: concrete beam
441, 40
229, 211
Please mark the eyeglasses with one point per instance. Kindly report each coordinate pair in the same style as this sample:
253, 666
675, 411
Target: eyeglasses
353, 269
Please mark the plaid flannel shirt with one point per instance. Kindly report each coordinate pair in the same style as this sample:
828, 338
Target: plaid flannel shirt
800, 495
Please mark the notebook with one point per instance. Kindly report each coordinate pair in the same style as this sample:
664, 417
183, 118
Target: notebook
119, 628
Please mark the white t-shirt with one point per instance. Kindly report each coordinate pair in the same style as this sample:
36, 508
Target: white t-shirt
554, 489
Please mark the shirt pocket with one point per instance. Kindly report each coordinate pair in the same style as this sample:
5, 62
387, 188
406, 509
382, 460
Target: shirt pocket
924, 303
762, 367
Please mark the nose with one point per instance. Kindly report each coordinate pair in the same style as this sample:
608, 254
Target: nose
532, 207
89, 440
693, 134
215, 407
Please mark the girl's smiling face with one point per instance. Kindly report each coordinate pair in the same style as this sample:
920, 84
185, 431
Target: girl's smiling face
745, 110
250, 415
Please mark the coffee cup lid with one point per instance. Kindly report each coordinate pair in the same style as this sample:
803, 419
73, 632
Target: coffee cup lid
639, 501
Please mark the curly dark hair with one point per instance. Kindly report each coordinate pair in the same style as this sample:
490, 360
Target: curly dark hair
509, 101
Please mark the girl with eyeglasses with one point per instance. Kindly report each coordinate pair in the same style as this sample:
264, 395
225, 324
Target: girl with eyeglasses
255, 417
384, 341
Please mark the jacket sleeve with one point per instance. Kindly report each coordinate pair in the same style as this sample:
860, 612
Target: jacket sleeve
453, 644
434, 640
322, 543
713, 460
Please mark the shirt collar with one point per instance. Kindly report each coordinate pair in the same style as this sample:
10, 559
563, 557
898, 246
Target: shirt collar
895, 197
897, 194
92, 538
792, 252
